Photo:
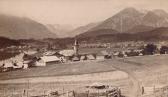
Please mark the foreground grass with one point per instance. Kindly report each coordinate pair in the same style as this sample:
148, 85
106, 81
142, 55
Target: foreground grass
75, 68
149, 70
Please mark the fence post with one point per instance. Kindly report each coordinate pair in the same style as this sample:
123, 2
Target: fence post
154, 91
28, 88
87, 93
67, 93
73, 93
119, 92
142, 90
24, 92
63, 91
4, 92
44, 92
106, 94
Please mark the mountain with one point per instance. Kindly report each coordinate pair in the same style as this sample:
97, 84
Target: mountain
140, 28
22, 28
161, 32
161, 13
157, 34
97, 33
60, 30
152, 18
83, 29
122, 21
130, 18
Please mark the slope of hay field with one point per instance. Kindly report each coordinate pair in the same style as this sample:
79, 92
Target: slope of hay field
144, 71
149, 70
75, 68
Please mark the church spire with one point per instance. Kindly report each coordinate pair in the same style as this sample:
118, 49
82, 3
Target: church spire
76, 46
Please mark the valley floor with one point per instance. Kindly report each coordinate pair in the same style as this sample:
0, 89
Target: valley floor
130, 74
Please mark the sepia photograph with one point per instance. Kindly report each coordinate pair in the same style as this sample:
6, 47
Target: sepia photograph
83, 48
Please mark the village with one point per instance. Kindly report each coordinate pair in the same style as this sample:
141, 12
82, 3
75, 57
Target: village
29, 58
83, 48
91, 56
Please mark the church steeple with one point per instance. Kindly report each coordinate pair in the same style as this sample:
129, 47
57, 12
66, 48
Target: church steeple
76, 47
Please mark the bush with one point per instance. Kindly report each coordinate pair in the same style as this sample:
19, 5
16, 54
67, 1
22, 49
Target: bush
163, 50
149, 49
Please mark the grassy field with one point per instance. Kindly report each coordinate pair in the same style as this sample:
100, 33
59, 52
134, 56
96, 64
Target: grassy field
148, 70
153, 69
16, 90
75, 68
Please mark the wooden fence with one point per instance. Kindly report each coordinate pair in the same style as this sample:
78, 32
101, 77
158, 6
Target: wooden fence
73, 93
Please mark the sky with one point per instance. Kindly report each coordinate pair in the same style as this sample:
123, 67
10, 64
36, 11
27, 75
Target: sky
74, 12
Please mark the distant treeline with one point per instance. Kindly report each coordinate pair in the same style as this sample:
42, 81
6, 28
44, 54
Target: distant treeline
6, 55
5, 42
123, 37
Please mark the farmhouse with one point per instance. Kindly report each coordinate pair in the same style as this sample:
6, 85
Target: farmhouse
30, 52
13, 66
49, 53
47, 60
7, 66
83, 57
103, 55
67, 54
91, 56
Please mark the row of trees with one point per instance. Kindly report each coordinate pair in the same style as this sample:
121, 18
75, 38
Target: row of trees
151, 49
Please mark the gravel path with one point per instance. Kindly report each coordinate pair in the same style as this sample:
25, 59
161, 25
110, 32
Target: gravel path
135, 91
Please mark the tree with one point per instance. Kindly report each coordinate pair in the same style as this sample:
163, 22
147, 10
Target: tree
149, 49
163, 50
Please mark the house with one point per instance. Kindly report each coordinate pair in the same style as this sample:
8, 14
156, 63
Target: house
100, 57
30, 52
17, 65
8, 66
49, 53
103, 55
67, 54
76, 58
83, 57
47, 60
90, 57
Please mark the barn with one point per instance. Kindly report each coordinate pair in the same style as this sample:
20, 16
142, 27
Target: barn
67, 54
103, 55
47, 60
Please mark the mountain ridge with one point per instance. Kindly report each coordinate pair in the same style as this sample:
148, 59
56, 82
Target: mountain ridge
22, 28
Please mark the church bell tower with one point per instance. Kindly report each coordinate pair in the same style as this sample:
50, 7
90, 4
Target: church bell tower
76, 47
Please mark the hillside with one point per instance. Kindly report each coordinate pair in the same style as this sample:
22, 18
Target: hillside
140, 28
83, 29
130, 18
130, 25
98, 33
122, 21
22, 28
60, 30
5, 42
152, 18
157, 34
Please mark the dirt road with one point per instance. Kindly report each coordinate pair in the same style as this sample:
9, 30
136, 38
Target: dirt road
135, 91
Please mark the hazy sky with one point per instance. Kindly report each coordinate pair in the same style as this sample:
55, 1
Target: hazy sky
74, 12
